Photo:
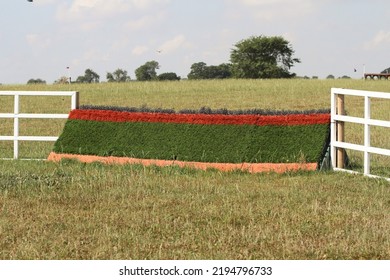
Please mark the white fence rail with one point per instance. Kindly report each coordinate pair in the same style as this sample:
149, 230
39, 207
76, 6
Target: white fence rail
338, 118
16, 115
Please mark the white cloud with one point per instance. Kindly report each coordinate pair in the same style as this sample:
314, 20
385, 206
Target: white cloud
146, 4
38, 41
43, 2
381, 38
257, 2
270, 10
139, 23
92, 56
274, 2
139, 50
120, 44
174, 44
82, 9
144, 22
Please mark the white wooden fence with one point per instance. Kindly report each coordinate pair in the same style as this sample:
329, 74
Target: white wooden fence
338, 118
17, 115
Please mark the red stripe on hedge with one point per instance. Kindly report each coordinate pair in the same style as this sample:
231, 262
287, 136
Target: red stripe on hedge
260, 120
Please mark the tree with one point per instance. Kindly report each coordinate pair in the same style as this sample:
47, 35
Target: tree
119, 76
89, 77
330, 77
200, 70
221, 71
168, 77
263, 57
386, 71
62, 80
147, 72
36, 81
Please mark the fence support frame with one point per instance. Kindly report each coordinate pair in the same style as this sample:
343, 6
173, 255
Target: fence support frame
17, 115
338, 118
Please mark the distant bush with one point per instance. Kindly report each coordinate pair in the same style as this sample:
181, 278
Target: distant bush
201, 70
118, 76
62, 80
89, 77
36, 81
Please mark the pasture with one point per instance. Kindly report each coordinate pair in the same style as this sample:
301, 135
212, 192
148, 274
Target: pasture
77, 211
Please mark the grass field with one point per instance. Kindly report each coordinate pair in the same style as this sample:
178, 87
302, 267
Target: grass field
77, 211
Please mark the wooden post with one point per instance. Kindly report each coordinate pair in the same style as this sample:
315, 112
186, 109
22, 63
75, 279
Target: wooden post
340, 128
77, 100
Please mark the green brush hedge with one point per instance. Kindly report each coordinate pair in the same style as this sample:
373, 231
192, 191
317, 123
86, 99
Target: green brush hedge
192, 142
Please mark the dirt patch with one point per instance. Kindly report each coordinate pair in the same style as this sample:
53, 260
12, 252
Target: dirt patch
250, 167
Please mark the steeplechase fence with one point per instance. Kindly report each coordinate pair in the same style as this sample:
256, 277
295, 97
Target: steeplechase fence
17, 115
338, 120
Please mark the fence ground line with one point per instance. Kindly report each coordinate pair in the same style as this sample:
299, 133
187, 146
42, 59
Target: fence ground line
356, 172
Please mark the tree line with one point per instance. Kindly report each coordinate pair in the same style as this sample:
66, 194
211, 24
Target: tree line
257, 57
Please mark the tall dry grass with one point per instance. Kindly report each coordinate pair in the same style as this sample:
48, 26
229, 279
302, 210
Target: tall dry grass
232, 94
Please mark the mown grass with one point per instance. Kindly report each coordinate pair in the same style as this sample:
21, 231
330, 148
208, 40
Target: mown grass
77, 211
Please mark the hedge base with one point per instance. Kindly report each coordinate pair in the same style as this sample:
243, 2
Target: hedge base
248, 167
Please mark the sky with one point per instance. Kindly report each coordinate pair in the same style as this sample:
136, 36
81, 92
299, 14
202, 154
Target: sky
44, 38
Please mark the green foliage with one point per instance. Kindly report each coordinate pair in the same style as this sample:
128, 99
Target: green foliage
263, 57
200, 71
36, 81
330, 77
188, 142
386, 71
63, 80
147, 72
89, 77
119, 76
170, 76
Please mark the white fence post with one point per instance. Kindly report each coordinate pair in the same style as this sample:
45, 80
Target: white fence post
75, 101
17, 115
16, 125
367, 134
333, 137
366, 148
